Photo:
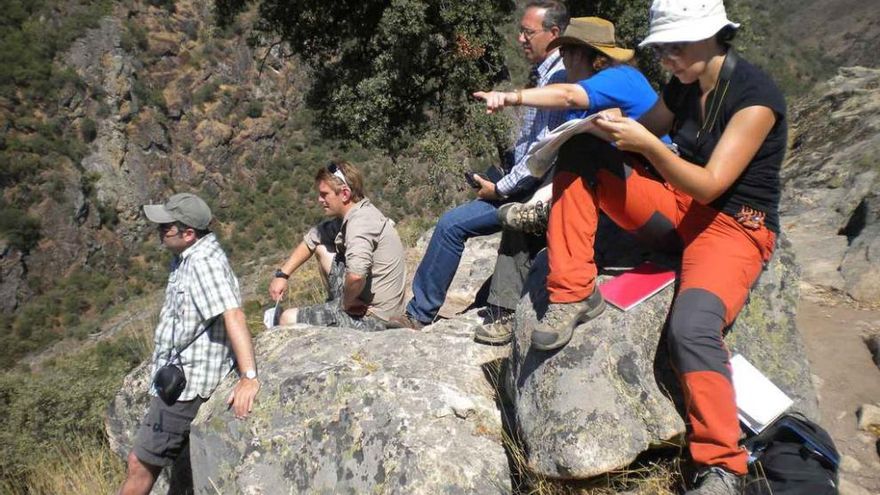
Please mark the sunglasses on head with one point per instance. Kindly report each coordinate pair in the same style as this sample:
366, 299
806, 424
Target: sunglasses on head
337, 172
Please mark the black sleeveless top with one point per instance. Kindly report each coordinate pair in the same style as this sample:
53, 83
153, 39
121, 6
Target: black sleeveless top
758, 187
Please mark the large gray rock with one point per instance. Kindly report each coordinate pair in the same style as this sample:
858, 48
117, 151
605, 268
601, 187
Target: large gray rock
343, 411
609, 395
830, 208
447, 403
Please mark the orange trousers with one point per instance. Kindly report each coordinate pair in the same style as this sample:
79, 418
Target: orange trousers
721, 260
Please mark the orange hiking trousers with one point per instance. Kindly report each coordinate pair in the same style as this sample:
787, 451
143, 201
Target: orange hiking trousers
721, 260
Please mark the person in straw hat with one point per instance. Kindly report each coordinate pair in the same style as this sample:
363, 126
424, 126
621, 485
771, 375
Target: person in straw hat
716, 192
598, 78
588, 48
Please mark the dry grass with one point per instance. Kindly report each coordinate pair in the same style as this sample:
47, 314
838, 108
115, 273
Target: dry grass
141, 331
306, 287
659, 477
82, 468
411, 230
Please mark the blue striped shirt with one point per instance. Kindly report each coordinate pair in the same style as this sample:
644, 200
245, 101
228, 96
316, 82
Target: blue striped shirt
534, 125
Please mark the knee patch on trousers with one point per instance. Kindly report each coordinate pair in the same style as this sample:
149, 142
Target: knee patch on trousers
695, 333
659, 233
585, 154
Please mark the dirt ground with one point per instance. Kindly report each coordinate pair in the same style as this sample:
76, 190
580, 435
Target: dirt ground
846, 378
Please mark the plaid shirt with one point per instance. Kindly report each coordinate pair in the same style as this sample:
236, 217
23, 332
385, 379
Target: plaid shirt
535, 124
200, 288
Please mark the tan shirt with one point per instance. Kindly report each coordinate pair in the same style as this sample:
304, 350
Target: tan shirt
372, 249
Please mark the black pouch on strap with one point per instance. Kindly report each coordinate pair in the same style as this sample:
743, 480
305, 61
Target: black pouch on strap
169, 382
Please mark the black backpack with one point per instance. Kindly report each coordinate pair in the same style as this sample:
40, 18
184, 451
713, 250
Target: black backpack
792, 456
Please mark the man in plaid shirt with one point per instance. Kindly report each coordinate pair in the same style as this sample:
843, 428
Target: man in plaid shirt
201, 319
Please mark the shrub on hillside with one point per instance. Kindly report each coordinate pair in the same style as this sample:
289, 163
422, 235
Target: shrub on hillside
61, 405
88, 130
254, 109
205, 93
20, 230
134, 37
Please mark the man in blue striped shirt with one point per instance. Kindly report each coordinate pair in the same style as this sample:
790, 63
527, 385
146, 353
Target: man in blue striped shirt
541, 23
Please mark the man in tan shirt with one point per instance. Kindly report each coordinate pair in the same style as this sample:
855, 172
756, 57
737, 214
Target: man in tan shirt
359, 250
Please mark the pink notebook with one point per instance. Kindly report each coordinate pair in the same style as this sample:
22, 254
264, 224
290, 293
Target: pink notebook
629, 289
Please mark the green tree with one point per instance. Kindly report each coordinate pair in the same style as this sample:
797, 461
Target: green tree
383, 70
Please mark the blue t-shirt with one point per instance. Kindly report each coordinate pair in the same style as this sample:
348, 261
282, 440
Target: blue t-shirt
619, 86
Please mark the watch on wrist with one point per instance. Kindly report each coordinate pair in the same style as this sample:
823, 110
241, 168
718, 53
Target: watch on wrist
279, 273
250, 374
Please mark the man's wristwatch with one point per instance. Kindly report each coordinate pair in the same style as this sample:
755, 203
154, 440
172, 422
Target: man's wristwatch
279, 273
250, 374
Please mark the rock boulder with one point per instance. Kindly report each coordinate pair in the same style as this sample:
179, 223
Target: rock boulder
609, 395
345, 411
830, 208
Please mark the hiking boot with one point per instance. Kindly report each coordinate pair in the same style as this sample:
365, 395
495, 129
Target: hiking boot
554, 330
716, 481
530, 218
406, 321
497, 329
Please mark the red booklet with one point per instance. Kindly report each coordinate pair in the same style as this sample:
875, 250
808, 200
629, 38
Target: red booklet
629, 289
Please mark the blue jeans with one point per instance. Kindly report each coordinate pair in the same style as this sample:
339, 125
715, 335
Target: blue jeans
438, 266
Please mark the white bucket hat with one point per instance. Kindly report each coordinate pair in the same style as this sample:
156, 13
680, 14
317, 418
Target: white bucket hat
675, 21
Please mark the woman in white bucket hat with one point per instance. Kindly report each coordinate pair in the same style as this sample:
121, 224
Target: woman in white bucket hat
716, 192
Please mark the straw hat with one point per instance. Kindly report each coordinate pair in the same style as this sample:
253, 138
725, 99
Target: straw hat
594, 32
677, 21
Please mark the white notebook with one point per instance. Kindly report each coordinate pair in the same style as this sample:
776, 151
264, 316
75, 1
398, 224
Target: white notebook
758, 401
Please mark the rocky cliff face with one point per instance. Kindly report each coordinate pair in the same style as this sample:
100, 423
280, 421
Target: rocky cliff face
176, 105
830, 206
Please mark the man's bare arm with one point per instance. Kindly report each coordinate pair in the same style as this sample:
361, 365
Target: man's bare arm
242, 397
351, 291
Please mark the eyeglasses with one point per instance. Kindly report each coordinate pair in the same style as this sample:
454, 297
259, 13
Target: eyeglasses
337, 172
668, 50
528, 34
165, 229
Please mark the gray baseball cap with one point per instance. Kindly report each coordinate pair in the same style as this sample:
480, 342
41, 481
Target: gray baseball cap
185, 208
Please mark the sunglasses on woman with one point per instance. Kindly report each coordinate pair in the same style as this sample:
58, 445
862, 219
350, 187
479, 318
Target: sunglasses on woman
668, 50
